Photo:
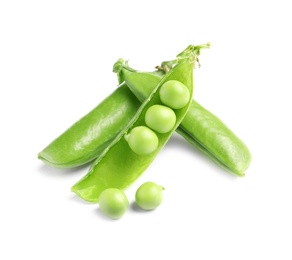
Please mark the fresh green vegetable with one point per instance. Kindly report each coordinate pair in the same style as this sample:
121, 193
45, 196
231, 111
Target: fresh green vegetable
113, 203
174, 94
200, 127
87, 138
119, 166
142, 140
160, 118
149, 196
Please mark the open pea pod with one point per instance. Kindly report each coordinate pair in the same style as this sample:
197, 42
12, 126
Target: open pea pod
119, 166
200, 127
88, 137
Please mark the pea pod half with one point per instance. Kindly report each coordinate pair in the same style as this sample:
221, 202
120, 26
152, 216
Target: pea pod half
119, 166
200, 127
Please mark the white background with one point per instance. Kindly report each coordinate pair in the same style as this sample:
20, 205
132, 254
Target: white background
56, 62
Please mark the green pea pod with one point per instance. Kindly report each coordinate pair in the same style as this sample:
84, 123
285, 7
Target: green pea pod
119, 166
200, 127
88, 137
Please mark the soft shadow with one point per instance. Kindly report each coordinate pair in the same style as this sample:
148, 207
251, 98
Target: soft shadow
101, 215
96, 210
136, 208
60, 172
74, 197
177, 143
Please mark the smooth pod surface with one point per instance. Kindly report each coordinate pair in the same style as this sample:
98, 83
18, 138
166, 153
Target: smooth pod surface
211, 136
86, 139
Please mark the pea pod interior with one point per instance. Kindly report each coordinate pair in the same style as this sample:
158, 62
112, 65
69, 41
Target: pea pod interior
200, 127
119, 166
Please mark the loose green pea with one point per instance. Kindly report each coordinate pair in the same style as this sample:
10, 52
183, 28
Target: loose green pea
113, 203
160, 118
142, 140
149, 195
174, 94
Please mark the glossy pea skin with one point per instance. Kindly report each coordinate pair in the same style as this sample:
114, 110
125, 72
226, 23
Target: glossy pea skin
174, 94
113, 203
160, 118
213, 137
149, 196
142, 140
87, 138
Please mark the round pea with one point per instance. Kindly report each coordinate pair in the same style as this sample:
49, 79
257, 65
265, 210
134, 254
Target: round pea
113, 203
149, 196
142, 140
174, 94
160, 118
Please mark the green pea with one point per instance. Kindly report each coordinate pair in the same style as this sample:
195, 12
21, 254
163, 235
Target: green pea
142, 140
174, 94
160, 118
149, 195
113, 203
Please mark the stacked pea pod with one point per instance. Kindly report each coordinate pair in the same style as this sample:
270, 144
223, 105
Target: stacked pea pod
108, 133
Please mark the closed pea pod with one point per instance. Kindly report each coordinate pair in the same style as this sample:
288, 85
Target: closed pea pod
119, 166
200, 127
211, 135
86, 139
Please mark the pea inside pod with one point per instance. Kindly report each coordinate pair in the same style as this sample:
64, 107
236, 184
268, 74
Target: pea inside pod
119, 166
87, 138
142, 140
204, 130
160, 118
174, 94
